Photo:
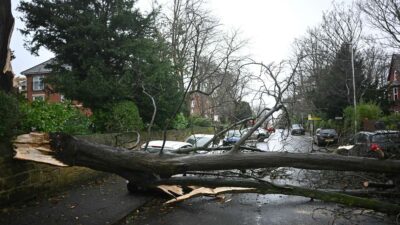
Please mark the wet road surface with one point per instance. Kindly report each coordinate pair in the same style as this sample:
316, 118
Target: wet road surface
253, 208
250, 209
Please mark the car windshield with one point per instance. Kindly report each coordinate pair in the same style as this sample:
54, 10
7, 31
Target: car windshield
328, 131
233, 133
394, 137
296, 126
199, 141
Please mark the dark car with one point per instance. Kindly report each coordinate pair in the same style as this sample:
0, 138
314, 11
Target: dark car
372, 144
325, 136
231, 137
297, 129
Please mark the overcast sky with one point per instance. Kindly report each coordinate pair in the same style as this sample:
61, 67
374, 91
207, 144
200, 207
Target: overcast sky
270, 26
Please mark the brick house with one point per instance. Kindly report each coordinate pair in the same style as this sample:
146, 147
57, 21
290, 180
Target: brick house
200, 105
35, 86
393, 80
36, 89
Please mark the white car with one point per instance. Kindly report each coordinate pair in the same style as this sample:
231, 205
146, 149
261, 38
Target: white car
259, 134
155, 147
199, 140
169, 146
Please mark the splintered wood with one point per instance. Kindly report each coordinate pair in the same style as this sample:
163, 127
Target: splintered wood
199, 191
35, 147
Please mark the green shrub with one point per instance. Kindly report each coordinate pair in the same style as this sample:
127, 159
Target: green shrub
119, 117
391, 121
52, 117
200, 121
180, 122
9, 114
371, 111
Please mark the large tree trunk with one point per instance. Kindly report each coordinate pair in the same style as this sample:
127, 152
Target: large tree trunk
148, 169
6, 27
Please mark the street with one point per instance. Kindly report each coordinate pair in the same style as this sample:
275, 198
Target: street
254, 208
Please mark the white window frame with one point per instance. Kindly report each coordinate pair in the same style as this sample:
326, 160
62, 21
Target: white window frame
395, 93
37, 83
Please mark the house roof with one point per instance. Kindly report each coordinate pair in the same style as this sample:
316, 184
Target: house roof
40, 68
394, 65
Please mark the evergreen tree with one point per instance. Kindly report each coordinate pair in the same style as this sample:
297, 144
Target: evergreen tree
334, 91
105, 51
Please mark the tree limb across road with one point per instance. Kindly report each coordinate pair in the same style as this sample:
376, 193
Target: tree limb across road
148, 169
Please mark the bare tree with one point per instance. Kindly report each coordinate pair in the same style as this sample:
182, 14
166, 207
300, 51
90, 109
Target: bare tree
152, 170
325, 45
385, 16
203, 54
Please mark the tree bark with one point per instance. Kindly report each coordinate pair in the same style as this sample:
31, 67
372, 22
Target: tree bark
75, 152
148, 170
6, 27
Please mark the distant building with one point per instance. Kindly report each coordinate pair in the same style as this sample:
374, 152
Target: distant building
36, 89
393, 80
19, 83
200, 105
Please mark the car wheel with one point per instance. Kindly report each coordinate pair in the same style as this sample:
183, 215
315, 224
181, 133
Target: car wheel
133, 188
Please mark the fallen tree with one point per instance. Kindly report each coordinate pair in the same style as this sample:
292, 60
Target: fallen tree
150, 170
155, 170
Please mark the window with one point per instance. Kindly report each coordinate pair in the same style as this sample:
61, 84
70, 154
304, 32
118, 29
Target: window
38, 83
38, 97
395, 93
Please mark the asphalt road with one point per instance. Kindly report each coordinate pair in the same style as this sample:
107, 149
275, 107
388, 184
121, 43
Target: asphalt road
254, 208
250, 209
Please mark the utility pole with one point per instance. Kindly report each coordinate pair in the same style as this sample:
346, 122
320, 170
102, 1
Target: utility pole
354, 88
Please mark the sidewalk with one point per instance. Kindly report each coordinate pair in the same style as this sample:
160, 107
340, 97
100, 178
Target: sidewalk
96, 203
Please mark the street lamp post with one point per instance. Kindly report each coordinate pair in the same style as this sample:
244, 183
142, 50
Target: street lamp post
354, 88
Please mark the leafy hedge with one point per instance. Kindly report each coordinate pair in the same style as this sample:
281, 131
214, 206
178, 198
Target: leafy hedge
180, 122
200, 121
371, 111
53, 117
119, 117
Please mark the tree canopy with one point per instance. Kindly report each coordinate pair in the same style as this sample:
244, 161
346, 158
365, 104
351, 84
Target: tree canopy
105, 52
334, 91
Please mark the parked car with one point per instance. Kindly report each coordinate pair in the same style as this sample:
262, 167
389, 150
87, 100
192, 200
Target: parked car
155, 147
259, 134
199, 140
368, 144
297, 129
231, 137
325, 136
169, 146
